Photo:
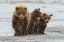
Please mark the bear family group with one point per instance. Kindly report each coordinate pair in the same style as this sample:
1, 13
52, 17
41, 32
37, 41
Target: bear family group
25, 23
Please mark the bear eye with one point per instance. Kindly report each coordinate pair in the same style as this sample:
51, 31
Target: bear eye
49, 18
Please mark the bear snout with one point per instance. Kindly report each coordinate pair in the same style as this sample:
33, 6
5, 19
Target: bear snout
21, 17
47, 21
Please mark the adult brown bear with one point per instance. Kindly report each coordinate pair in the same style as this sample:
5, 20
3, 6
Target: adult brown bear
20, 20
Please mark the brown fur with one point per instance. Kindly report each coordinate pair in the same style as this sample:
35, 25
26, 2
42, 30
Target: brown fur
43, 22
20, 20
33, 25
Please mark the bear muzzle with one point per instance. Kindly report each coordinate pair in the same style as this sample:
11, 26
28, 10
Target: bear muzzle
21, 18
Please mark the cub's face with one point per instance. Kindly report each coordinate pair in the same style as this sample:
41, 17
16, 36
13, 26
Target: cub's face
21, 12
37, 12
47, 17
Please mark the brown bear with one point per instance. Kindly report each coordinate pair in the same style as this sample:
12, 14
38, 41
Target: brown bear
43, 22
20, 20
33, 25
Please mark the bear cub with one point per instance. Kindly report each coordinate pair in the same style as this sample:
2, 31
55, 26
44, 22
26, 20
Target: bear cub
33, 25
43, 22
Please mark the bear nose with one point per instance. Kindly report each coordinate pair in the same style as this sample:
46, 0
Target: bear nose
21, 17
47, 21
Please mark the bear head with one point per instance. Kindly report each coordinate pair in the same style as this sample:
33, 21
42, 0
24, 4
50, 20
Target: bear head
46, 17
21, 11
36, 13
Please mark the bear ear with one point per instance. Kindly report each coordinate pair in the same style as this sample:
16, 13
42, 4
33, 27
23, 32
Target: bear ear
38, 8
51, 15
17, 8
44, 14
25, 8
